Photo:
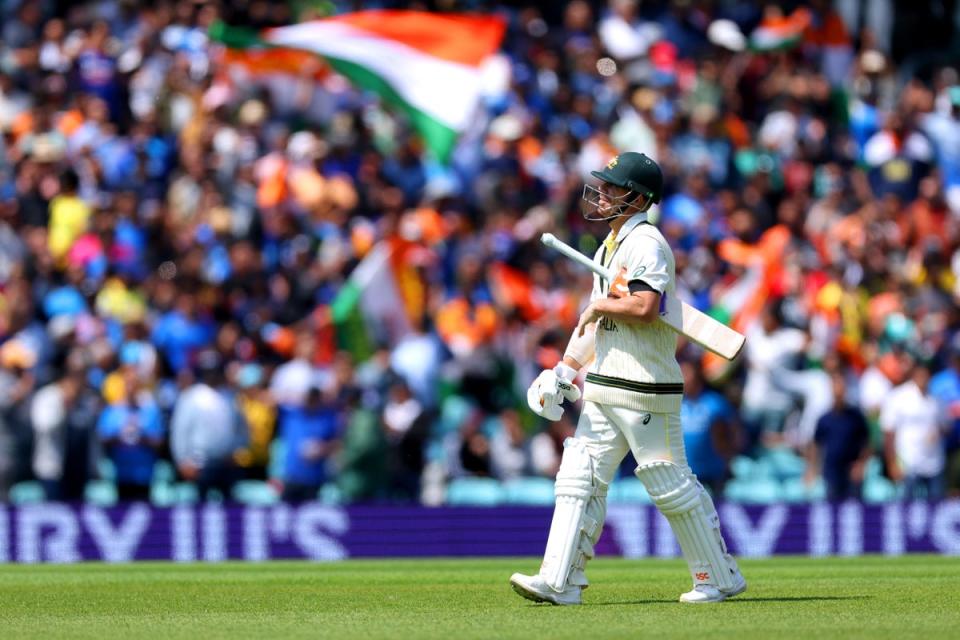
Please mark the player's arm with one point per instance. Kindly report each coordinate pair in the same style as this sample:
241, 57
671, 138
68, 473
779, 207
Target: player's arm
888, 424
581, 348
547, 392
635, 293
641, 305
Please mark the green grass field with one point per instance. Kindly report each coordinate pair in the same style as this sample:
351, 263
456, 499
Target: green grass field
909, 597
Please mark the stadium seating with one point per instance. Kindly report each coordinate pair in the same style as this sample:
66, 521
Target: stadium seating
628, 490
453, 413
784, 464
106, 469
485, 492
255, 493
102, 493
330, 494
528, 491
27, 493
757, 491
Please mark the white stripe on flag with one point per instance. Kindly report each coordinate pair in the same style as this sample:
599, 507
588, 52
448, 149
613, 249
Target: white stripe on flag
446, 91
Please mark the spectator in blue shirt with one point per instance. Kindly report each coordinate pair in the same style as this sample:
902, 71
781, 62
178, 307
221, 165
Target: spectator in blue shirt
945, 389
709, 431
97, 71
309, 433
841, 444
180, 332
132, 433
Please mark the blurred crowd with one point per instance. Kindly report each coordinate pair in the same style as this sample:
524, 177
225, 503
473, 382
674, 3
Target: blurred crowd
177, 233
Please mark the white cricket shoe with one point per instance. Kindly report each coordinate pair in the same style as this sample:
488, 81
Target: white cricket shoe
534, 588
707, 593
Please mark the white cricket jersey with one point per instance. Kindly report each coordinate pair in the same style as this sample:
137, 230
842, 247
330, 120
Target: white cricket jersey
914, 420
636, 364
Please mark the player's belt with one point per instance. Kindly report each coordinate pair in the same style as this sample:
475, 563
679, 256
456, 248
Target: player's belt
665, 388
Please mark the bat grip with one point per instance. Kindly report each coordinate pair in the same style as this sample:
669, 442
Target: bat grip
553, 242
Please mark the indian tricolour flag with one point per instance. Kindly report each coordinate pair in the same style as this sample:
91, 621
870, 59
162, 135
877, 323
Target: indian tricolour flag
379, 299
777, 32
428, 65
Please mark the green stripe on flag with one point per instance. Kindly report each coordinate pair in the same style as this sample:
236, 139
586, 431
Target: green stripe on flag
438, 138
773, 45
350, 325
236, 37
345, 302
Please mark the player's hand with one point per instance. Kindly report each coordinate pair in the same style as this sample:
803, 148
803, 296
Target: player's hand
588, 317
619, 287
858, 471
189, 471
551, 387
896, 473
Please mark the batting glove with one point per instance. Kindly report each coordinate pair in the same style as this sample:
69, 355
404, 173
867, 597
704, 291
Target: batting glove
545, 396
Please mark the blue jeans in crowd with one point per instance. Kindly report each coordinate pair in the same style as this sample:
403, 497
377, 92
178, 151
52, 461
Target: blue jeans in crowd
920, 487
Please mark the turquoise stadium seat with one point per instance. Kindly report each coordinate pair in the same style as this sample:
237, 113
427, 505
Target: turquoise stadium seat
185, 493
330, 494
628, 490
255, 493
106, 469
454, 411
491, 426
764, 468
785, 463
474, 492
162, 490
528, 491
28, 492
795, 490
873, 469
757, 491
168, 495
818, 491
102, 493
162, 494
435, 451
742, 467
163, 472
878, 489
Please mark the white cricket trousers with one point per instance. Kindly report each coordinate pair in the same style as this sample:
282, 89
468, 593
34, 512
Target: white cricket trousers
610, 432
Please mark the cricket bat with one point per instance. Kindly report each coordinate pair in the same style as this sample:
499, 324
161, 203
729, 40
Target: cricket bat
686, 320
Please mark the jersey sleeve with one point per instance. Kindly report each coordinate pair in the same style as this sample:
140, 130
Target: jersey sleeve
888, 414
646, 262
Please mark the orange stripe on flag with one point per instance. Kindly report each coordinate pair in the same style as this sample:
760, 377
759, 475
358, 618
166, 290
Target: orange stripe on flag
514, 288
459, 38
277, 60
767, 251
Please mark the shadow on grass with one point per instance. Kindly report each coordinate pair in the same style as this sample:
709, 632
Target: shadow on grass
800, 598
744, 599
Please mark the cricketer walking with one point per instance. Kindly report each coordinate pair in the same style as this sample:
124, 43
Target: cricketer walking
631, 402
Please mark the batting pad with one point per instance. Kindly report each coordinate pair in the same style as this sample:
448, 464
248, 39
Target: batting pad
694, 520
577, 518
